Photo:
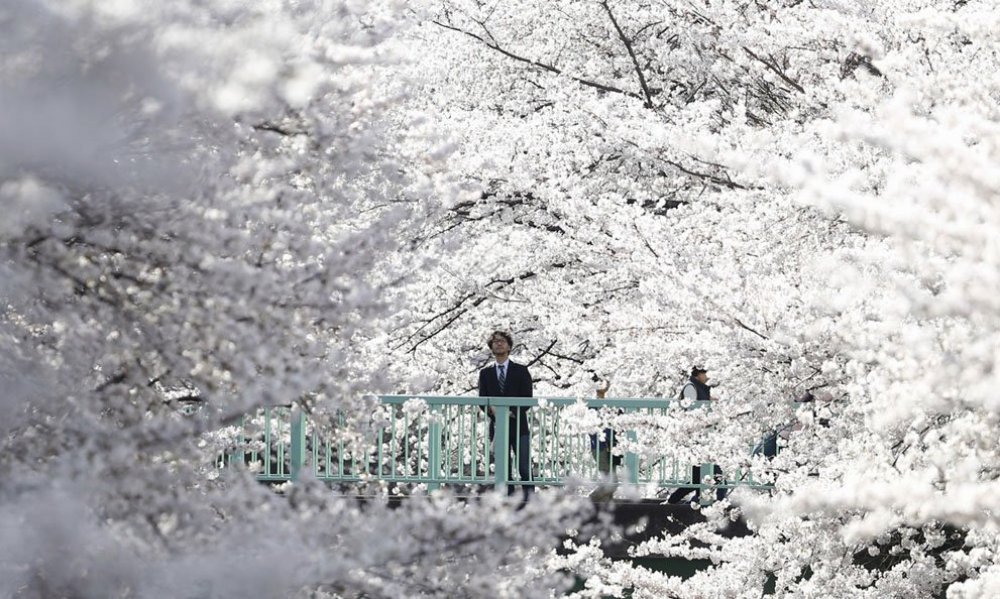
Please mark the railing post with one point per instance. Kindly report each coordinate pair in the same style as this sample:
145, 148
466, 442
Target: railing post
238, 455
501, 446
707, 492
632, 460
434, 448
298, 442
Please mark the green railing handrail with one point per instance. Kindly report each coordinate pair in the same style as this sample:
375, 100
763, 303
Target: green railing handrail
621, 402
440, 467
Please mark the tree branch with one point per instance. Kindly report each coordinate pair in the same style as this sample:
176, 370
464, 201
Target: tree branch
774, 69
540, 65
635, 62
745, 327
725, 182
544, 351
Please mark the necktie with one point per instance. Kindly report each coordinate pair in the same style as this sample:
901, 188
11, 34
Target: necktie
501, 378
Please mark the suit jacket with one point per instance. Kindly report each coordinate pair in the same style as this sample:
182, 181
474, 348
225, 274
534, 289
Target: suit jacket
517, 383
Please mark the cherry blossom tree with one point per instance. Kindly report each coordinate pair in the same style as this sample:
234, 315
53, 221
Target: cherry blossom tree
240, 206
208, 203
650, 176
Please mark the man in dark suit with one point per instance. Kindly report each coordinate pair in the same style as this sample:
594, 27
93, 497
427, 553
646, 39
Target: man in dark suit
509, 379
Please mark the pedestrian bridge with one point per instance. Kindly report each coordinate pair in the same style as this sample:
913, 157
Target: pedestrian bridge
435, 441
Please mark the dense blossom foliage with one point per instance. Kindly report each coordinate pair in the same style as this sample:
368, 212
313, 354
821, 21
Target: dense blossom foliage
800, 197
236, 205
207, 204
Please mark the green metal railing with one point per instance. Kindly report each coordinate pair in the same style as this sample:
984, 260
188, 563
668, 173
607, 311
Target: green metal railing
446, 441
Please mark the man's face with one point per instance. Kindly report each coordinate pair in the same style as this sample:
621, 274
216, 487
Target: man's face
703, 377
499, 345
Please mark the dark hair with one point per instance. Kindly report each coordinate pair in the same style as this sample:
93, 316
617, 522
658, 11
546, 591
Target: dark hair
495, 334
696, 371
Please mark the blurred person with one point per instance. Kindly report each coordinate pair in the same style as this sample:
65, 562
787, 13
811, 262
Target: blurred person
696, 389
